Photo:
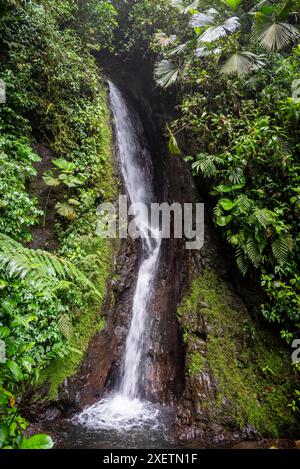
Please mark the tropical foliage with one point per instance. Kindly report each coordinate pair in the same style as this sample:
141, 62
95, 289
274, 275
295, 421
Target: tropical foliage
233, 69
236, 74
56, 104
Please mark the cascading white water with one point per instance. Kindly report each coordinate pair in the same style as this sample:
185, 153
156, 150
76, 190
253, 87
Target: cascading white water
125, 409
140, 191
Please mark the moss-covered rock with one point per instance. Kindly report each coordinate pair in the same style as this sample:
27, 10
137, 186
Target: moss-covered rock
238, 374
92, 254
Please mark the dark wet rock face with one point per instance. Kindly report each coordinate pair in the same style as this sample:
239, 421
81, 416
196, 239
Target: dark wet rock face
101, 367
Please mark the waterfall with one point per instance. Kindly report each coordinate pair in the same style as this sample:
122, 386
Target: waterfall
129, 153
124, 408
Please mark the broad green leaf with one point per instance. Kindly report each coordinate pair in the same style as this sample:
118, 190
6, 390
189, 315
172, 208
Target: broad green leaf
50, 180
69, 180
66, 211
15, 370
233, 4
64, 165
227, 204
4, 332
4, 435
223, 221
230, 188
74, 202
173, 145
3, 284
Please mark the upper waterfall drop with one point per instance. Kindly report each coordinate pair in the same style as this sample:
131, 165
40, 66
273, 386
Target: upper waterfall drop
125, 409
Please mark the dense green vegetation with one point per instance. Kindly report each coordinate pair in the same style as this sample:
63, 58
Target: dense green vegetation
50, 302
238, 70
233, 67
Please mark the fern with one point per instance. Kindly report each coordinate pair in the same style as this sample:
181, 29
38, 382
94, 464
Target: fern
236, 176
281, 248
242, 261
244, 204
206, 164
42, 268
263, 216
253, 252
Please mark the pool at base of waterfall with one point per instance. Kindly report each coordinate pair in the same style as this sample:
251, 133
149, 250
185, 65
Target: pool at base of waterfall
117, 422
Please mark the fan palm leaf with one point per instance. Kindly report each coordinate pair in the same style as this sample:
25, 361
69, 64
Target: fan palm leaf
179, 4
215, 32
205, 52
202, 19
271, 28
166, 73
241, 63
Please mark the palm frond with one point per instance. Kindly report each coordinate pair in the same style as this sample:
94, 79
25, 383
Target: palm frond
214, 33
201, 19
241, 63
178, 49
274, 35
179, 4
166, 73
205, 52
163, 40
289, 7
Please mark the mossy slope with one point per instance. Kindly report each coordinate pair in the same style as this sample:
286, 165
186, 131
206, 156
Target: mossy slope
252, 378
80, 243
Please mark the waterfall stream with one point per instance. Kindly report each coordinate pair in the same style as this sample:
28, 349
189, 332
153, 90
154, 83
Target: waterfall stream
125, 409
132, 156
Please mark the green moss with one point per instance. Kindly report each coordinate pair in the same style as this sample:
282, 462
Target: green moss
196, 363
254, 374
106, 181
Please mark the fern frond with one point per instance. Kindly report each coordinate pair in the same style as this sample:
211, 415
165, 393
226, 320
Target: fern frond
65, 326
236, 176
42, 268
244, 204
206, 164
263, 216
252, 251
242, 261
281, 248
